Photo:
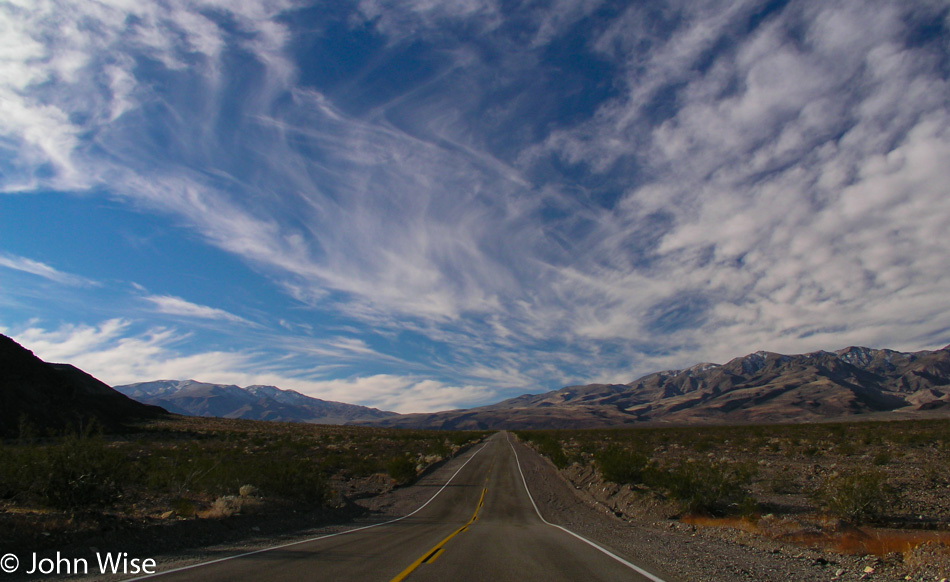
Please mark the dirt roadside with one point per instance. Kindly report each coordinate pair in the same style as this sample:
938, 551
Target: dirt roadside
688, 553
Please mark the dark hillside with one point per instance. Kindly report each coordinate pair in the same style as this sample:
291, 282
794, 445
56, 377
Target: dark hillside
57, 397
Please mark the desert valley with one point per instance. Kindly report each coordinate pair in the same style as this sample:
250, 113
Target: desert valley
827, 464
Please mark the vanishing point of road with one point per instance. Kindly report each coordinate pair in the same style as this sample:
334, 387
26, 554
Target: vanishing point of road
481, 524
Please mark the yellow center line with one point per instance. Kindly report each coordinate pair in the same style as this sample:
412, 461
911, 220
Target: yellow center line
436, 551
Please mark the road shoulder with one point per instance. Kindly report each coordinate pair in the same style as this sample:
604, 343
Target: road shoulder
675, 551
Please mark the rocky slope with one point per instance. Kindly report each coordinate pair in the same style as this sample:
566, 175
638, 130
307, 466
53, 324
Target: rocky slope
54, 397
760, 387
193, 398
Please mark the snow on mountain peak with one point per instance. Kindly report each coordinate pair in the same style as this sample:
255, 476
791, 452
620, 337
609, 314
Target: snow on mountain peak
856, 356
754, 362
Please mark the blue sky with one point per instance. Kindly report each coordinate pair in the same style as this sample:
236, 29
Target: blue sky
421, 205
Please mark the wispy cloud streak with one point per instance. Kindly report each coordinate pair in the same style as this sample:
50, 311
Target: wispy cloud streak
177, 306
117, 353
43, 270
519, 194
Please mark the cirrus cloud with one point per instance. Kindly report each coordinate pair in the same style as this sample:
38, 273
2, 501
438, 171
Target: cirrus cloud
509, 195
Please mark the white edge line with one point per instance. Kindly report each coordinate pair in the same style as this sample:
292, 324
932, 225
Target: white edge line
630, 565
323, 537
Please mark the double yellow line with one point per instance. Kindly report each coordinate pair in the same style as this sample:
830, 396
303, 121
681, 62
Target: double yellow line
436, 551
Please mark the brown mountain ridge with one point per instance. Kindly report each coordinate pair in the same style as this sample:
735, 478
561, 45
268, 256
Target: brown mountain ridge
763, 387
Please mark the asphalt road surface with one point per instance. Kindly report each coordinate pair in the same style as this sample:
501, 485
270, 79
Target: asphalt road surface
480, 525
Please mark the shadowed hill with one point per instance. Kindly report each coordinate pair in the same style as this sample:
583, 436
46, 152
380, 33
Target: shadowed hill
57, 397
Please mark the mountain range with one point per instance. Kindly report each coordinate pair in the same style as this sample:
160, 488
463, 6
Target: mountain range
57, 397
193, 398
762, 387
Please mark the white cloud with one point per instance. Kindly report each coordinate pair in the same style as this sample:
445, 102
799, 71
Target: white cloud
804, 177
116, 354
43, 270
396, 393
67, 70
389, 238
69, 341
779, 188
552, 18
402, 18
170, 305
391, 235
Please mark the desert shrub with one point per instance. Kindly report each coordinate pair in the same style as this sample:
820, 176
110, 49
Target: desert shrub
838, 431
11, 469
78, 473
441, 448
188, 462
847, 448
219, 469
183, 507
226, 506
290, 477
621, 465
705, 486
857, 496
461, 438
402, 469
547, 444
702, 445
75, 472
881, 458
183, 468
811, 451
783, 483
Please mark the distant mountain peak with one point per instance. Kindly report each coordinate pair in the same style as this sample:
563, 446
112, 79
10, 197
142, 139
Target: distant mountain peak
757, 361
695, 369
257, 402
754, 362
761, 387
857, 356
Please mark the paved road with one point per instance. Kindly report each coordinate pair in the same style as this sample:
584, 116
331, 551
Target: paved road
480, 525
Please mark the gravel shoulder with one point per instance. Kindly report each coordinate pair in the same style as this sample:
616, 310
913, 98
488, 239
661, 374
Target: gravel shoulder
684, 553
